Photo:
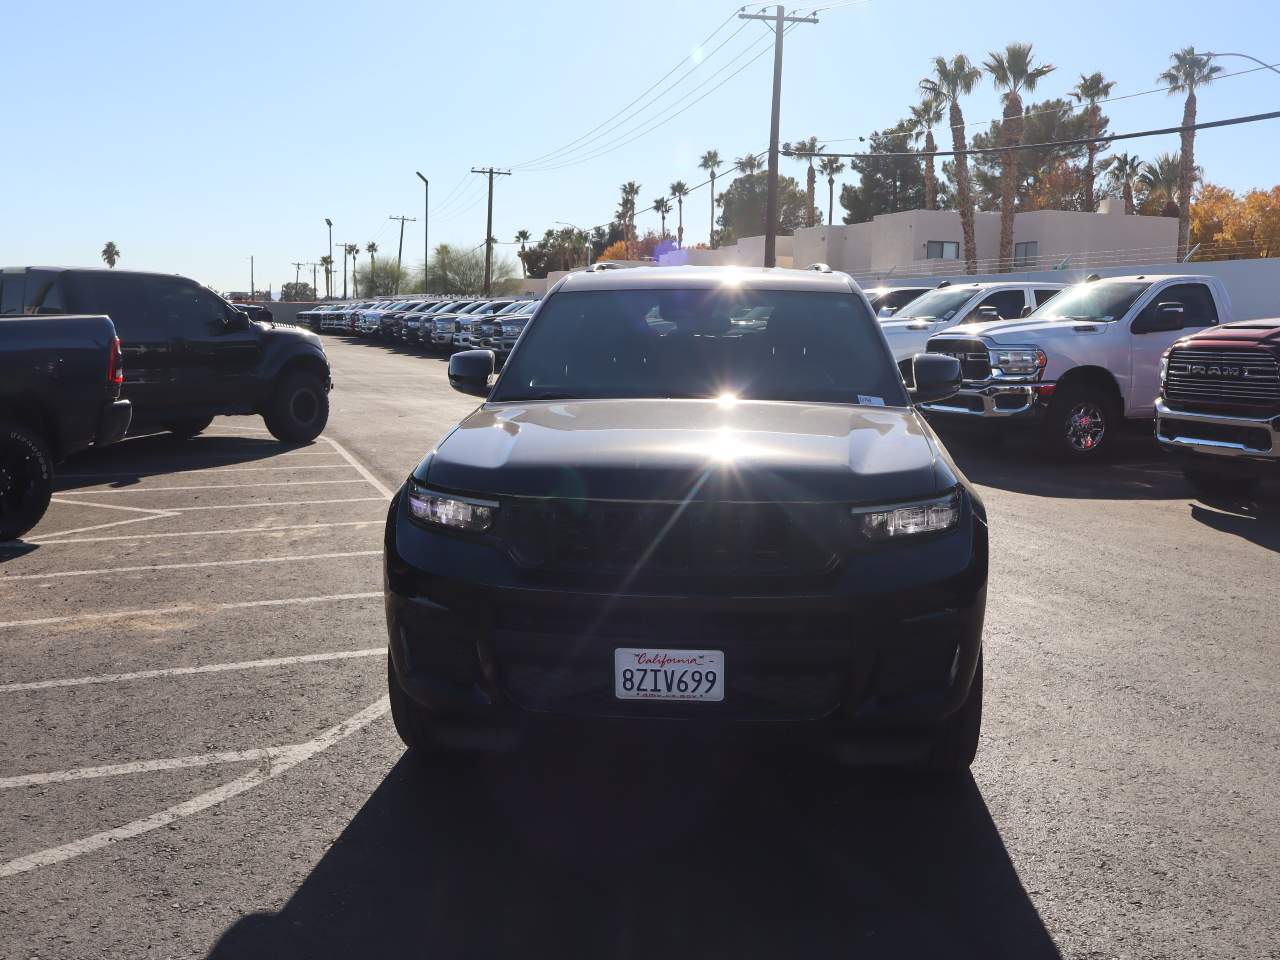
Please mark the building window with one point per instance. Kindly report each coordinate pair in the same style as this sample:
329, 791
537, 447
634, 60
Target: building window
942, 250
1025, 254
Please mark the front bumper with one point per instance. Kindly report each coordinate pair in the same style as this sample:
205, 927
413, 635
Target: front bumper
441, 338
1216, 434
993, 400
890, 645
113, 422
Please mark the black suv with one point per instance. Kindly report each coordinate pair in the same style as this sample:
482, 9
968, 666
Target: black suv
697, 495
189, 355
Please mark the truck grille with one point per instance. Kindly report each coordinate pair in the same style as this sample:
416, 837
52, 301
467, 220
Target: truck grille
676, 540
975, 361
1241, 377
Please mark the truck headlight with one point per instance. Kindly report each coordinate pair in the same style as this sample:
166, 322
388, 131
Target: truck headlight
1164, 366
1019, 361
926, 516
452, 513
512, 329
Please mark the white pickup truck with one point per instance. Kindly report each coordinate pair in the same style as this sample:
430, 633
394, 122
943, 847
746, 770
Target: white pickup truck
952, 304
1081, 363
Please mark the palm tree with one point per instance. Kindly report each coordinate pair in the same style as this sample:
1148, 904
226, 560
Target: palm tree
951, 80
1161, 181
679, 190
110, 254
809, 147
748, 164
371, 248
326, 261
1090, 90
351, 250
662, 206
711, 162
924, 117
1188, 71
1013, 71
1122, 170
627, 213
832, 167
523, 237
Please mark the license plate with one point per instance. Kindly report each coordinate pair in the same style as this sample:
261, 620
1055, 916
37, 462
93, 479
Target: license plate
649, 674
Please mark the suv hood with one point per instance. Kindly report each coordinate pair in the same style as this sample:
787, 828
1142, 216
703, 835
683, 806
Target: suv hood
1024, 331
700, 449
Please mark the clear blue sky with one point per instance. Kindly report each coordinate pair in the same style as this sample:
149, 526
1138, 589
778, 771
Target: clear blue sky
194, 135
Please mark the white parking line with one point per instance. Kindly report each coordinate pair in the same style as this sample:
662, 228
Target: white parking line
141, 474
364, 472
186, 608
192, 565
139, 766
278, 763
208, 533
206, 486
276, 503
189, 671
150, 515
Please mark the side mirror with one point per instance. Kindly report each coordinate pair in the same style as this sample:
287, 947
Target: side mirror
1166, 315
988, 314
470, 370
237, 319
886, 312
935, 377
1027, 311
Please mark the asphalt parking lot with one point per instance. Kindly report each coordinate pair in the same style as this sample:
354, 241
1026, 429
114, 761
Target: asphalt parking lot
196, 758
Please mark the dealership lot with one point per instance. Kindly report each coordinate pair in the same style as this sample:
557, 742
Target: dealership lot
195, 756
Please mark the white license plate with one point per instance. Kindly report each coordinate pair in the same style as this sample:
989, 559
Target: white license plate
644, 673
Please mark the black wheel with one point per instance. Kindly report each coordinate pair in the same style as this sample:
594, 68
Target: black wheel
300, 408
186, 429
956, 742
1081, 422
26, 479
1212, 483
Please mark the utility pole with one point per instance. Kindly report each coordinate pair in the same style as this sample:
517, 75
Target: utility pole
297, 266
488, 230
315, 291
426, 223
400, 252
251, 290
328, 274
779, 18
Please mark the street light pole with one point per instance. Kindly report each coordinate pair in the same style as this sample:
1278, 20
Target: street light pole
426, 244
1261, 63
328, 274
250, 276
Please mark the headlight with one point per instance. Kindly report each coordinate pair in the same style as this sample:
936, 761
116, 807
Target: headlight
1019, 361
452, 513
927, 516
444, 324
512, 329
1164, 366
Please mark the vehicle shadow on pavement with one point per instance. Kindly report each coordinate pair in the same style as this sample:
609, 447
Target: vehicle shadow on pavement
1256, 520
654, 852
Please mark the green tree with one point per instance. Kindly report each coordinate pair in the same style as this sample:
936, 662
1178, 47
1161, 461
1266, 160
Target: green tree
662, 206
747, 163
1043, 172
832, 167
371, 248
352, 249
522, 238
711, 162
1092, 88
297, 291
1187, 71
326, 262
376, 279
458, 272
1161, 184
679, 190
1122, 171
926, 115
110, 254
951, 80
626, 212
743, 206
886, 184
1013, 70
810, 147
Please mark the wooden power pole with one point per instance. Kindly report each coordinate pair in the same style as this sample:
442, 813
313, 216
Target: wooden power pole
780, 20
488, 230
400, 252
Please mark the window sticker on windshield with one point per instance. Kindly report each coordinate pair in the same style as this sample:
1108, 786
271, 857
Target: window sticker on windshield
871, 401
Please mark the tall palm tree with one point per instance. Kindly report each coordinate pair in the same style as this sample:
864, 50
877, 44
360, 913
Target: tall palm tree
711, 162
1092, 88
110, 254
627, 213
1161, 181
1013, 71
951, 80
926, 115
662, 206
679, 190
371, 248
810, 147
1187, 71
1122, 170
748, 164
832, 167
352, 249
326, 261
523, 237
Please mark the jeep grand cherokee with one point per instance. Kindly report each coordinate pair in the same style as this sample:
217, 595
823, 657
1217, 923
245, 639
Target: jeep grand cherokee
663, 510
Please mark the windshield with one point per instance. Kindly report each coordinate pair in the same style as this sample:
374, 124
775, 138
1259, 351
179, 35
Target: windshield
1099, 300
890, 301
800, 346
940, 304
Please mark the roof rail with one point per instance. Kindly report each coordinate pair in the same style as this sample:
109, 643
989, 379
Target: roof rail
819, 267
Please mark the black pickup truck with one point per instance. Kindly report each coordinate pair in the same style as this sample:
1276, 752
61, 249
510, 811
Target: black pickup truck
60, 380
189, 355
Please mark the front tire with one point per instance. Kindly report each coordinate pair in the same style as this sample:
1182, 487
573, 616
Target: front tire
299, 409
1211, 484
26, 479
1081, 423
955, 743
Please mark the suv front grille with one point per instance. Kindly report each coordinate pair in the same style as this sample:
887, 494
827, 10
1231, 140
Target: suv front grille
1232, 376
975, 361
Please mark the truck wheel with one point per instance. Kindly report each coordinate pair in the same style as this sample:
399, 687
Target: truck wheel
1080, 422
186, 429
955, 744
300, 408
26, 479
1211, 483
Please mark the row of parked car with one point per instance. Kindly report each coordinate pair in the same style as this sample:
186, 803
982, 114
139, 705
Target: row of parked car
443, 324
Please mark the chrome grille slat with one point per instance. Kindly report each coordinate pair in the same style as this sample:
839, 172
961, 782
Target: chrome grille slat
1237, 376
